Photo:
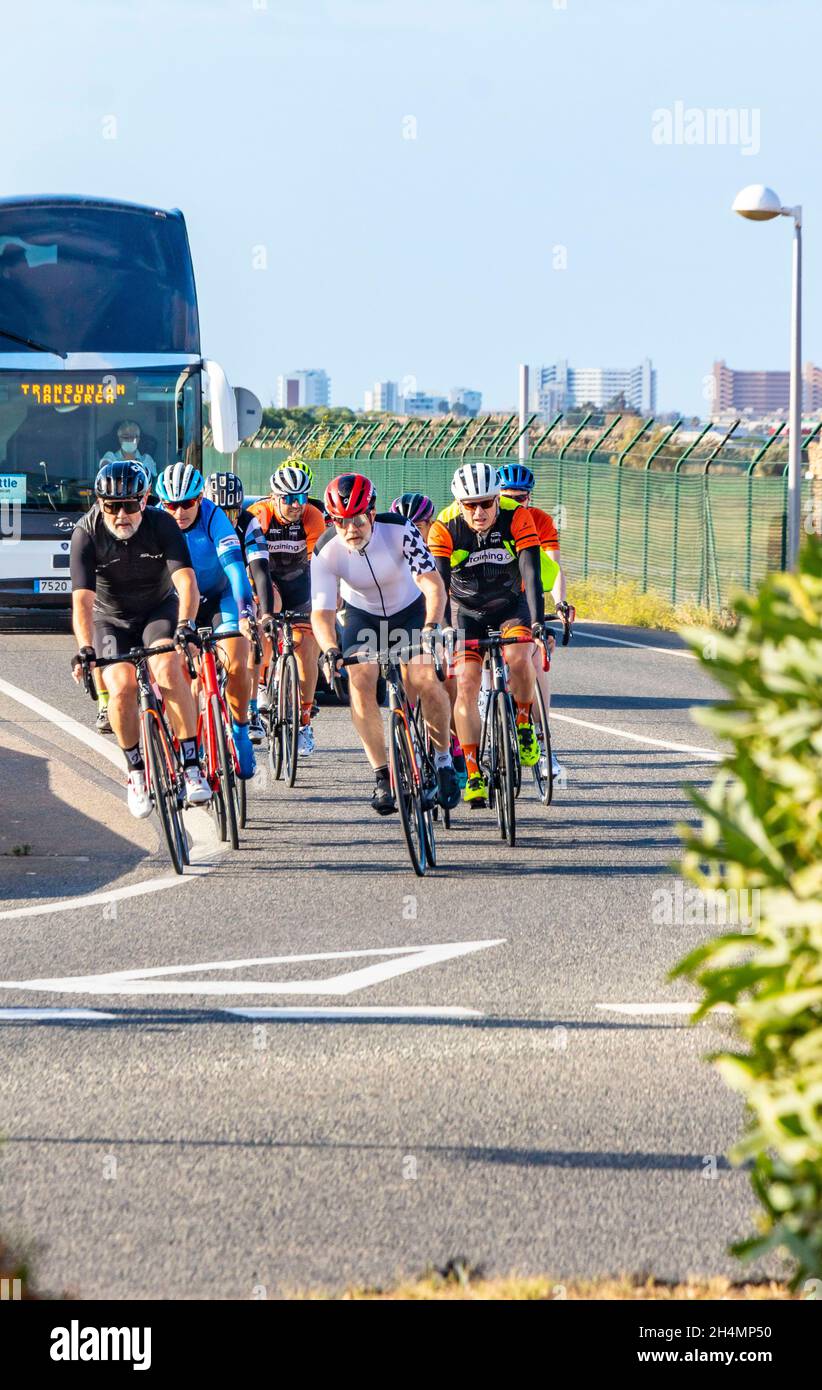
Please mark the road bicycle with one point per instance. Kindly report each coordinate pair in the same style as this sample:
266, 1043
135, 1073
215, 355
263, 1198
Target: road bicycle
283, 697
214, 737
411, 766
543, 770
159, 746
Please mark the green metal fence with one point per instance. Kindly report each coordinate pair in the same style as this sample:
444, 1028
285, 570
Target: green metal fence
693, 521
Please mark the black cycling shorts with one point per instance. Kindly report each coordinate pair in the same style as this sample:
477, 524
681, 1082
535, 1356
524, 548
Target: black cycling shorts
472, 624
294, 593
116, 636
368, 631
219, 610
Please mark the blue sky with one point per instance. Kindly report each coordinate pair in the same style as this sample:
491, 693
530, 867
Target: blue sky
324, 236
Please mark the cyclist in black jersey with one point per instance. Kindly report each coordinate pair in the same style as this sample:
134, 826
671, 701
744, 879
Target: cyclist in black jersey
132, 586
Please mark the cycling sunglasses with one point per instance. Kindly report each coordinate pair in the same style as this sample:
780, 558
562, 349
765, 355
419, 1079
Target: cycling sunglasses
177, 506
295, 499
122, 504
486, 503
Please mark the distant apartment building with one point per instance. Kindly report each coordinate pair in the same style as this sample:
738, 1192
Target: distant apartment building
303, 388
421, 404
762, 393
385, 395
563, 387
465, 402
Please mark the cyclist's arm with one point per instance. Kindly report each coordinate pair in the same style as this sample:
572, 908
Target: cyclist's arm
82, 603
185, 582
323, 601
526, 539
256, 554
230, 554
441, 545
434, 593
83, 570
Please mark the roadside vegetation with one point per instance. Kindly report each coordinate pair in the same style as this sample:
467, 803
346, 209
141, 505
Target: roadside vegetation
606, 601
761, 834
457, 1282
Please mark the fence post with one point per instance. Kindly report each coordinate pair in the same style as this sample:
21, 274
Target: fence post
622, 456
536, 446
601, 438
510, 443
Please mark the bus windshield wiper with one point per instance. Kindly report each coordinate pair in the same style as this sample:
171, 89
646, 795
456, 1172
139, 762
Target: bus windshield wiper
30, 343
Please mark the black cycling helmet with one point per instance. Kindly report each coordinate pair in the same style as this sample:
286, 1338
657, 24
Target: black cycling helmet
225, 490
415, 506
121, 478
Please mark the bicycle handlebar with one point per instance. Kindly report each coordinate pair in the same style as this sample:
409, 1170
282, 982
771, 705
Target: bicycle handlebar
386, 658
134, 656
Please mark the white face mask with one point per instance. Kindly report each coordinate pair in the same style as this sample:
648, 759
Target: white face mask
128, 446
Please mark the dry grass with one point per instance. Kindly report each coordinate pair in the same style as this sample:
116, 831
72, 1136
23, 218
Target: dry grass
457, 1282
602, 600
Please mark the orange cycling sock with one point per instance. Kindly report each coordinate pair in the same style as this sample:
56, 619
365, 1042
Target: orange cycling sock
523, 713
305, 712
471, 765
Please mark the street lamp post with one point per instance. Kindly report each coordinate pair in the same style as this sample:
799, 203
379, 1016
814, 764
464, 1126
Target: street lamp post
761, 204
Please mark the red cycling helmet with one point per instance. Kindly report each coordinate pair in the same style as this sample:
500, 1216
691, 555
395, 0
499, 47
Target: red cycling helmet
349, 495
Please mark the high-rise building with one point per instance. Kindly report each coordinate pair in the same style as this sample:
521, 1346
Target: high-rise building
385, 395
421, 404
303, 388
762, 393
563, 387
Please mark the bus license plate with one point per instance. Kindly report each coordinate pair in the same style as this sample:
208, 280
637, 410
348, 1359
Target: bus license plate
52, 586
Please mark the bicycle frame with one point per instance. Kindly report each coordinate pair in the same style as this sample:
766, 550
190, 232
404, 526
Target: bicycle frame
210, 684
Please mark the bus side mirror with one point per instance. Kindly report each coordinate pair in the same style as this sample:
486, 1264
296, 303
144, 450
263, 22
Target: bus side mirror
249, 412
223, 409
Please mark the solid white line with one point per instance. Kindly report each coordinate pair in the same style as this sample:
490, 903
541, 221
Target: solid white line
623, 642
203, 841
53, 1015
671, 1008
353, 1012
707, 754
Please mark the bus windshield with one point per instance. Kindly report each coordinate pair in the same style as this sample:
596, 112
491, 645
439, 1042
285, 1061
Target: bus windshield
57, 427
95, 278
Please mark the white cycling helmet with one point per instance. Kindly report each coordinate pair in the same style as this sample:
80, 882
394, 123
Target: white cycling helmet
475, 480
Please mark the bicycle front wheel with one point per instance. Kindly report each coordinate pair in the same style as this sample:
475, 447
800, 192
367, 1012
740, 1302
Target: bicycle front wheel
225, 773
543, 770
407, 791
288, 716
503, 732
164, 790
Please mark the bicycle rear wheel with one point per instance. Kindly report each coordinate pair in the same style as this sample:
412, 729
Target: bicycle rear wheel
164, 790
242, 803
407, 792
543, 770
506, 777
288, 715
225, 773
275, 752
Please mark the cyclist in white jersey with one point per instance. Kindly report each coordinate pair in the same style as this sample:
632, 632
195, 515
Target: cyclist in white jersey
393, 597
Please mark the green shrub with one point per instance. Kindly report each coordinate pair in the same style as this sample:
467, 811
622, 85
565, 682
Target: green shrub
762, 830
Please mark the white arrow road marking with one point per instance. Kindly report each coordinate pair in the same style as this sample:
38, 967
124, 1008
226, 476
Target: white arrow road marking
680, 1007
399, 960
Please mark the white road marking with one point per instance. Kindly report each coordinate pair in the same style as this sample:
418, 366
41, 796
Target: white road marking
351, 1012
706, 754
203, 840
680, 1007
643, 646
54, 1015
400, 960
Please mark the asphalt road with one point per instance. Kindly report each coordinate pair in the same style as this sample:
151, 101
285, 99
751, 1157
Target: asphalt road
173, 1149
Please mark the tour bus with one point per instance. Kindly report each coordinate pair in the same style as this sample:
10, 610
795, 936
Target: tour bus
98, 331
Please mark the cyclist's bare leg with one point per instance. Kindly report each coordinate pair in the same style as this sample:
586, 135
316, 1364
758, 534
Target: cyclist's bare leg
307, 652
421, 681
365, 712
121, 683
172, 677
233, 652
466, 711
520, 673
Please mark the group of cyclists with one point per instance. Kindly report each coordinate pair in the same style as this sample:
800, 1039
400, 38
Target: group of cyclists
354, 581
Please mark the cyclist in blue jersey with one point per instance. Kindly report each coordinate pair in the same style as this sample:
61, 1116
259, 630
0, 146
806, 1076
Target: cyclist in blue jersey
226, 600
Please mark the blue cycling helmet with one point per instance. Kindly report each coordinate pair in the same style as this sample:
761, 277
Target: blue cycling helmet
415, 506
516, 477
180, 482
